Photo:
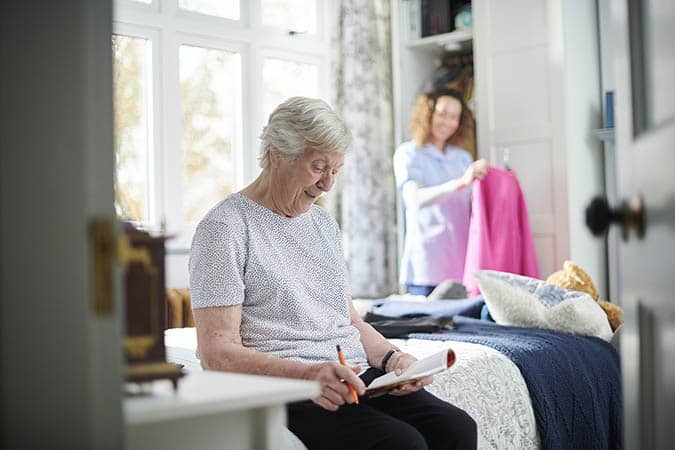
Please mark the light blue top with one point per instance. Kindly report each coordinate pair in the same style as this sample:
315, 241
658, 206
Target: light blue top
436, 235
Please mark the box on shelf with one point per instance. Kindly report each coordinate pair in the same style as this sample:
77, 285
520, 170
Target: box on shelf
438, 16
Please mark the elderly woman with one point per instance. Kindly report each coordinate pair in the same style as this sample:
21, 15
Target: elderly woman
433, 175
271, 297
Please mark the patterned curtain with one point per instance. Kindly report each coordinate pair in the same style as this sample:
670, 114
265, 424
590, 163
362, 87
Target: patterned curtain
363, 200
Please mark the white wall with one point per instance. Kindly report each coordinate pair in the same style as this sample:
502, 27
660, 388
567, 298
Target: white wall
582, 114
606, 45
176, 270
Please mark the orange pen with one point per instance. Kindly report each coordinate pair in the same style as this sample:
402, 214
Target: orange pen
341, 357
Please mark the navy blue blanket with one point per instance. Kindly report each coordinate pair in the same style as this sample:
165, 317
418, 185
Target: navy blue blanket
574, 381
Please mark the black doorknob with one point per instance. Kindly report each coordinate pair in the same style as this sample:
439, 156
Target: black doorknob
630, 215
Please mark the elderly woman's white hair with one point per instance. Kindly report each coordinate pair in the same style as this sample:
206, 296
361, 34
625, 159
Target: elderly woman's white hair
300, 123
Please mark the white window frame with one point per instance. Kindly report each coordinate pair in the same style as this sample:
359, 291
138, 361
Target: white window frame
154, 121
173, 163
168, 27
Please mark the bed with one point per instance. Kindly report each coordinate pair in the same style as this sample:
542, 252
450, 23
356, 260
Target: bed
526, 388
499, 402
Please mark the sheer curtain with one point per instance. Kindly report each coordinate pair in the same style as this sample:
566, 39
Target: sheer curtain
363, 201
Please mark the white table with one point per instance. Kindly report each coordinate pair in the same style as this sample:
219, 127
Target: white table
214, 410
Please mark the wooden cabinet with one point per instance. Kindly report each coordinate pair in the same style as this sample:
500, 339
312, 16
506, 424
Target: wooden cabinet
145, 306
145, 294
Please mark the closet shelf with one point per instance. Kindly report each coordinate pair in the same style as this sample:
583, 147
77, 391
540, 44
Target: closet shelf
604, 134
454, 40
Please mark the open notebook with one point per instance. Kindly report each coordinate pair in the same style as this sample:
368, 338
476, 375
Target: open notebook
430, 365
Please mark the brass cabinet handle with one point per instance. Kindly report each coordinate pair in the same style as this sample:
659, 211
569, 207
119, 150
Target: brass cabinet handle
103, 256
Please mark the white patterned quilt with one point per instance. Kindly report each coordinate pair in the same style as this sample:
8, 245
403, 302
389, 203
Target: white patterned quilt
488, 386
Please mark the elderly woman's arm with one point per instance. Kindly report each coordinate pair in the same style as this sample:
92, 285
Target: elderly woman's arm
220, 348
377, 347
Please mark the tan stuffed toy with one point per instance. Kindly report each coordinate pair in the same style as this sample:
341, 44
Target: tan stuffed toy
574, 278
614, 313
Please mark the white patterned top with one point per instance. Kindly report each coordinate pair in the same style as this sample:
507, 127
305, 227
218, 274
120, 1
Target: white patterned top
288, 273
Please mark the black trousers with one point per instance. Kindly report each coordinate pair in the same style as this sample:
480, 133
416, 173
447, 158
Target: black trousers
410, 422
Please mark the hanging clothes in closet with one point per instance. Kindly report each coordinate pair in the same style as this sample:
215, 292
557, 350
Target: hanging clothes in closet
500, 237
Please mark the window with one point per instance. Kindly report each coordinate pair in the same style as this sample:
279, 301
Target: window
194, 82
298, 16
228, 9
210, 113
285, 78
132, 62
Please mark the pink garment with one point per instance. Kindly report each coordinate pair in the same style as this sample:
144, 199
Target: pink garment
499, 232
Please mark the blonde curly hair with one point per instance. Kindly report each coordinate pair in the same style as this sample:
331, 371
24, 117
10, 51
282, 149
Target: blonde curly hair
420, 120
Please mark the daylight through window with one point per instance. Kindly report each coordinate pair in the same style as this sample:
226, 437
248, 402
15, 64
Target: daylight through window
194, 83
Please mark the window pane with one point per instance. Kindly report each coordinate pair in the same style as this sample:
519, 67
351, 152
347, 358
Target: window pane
132, 59
295, 15
228, 9
210, 101
283, 79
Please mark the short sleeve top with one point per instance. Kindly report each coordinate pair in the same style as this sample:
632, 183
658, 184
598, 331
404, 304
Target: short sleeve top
436, 236
288, 273
427, 165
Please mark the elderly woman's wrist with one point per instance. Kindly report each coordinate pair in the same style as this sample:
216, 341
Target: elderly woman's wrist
310, 371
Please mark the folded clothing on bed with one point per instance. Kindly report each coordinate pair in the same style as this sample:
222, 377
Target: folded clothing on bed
574, 381
397, 327
397, 307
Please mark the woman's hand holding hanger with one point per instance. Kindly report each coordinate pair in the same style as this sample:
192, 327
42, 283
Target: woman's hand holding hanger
477, 170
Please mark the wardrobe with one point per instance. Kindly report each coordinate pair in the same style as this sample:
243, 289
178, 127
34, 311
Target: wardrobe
537, 100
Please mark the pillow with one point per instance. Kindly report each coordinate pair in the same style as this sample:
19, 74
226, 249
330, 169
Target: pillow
548, 294
528, 302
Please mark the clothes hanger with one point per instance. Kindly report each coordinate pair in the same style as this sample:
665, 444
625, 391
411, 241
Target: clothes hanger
506, 153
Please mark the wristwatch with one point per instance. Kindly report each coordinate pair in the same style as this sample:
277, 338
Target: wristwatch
387, 357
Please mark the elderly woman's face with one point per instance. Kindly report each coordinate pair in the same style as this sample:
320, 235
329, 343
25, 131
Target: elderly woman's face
302, 181
445, 118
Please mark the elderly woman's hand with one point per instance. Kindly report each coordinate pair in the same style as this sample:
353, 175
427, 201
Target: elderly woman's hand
400, 361
333, 378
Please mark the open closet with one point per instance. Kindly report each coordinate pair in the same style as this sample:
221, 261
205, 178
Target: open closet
536, 101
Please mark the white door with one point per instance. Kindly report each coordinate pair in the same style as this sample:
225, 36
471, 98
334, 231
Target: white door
645, 127
61, 352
